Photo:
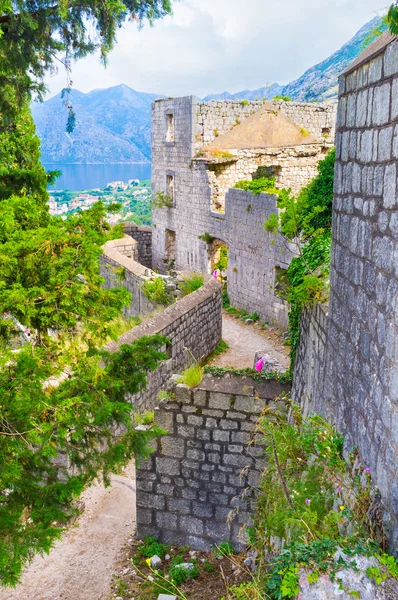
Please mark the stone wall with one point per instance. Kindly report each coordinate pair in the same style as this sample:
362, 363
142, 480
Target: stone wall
213, 119
119, 267
255, 256
143, 236
193, 328
201, 183
353, 378
311, 359
209, 458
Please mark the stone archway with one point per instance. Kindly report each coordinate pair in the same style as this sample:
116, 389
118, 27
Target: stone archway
218, 257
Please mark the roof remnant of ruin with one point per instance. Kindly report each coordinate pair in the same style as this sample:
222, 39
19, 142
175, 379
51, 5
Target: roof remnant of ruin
267, 128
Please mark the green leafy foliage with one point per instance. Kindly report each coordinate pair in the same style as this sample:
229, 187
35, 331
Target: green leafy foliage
155, 290
192, 376
152, 547
306, 219
33, 35
179, 574
84, 422
313, 501
192, 283
392, 18
225, 549
206, 238
162, 200
256, 375
258, 185
284, 98
65, 418
222, 263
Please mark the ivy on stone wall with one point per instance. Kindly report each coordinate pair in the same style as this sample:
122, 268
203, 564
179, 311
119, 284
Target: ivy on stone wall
306, 220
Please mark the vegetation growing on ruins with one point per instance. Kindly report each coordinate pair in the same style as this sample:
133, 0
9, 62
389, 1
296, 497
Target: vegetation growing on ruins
192, 283
284, 98
61, 403
192, 376
306, 219
260, 185
256, 375
155, 290
162, 200
314, 501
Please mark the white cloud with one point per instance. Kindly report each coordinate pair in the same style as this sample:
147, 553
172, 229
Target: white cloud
216, 45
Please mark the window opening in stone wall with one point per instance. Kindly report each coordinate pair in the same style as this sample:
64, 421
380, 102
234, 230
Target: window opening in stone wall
221, 178
326, 131
218, 259
170, 127
281, 284
170, 248
170, 187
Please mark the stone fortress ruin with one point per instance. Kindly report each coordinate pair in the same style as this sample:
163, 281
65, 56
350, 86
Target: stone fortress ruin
347, 360
199, 151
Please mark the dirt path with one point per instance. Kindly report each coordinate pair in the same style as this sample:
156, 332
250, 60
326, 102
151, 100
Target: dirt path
244, 340
81, 565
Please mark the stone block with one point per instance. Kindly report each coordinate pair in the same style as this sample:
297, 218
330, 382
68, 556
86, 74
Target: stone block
381, 104
390, 187
391, 59
221, 436
191, 525
217, 531
219, 401
166, 520
171, 446
145, 500
168, 466
200, 509
179, 505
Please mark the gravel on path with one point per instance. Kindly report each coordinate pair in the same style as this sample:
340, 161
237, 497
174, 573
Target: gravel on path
81, 564
245, 340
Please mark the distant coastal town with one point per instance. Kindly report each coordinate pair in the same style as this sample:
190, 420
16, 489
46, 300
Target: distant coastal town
134, 196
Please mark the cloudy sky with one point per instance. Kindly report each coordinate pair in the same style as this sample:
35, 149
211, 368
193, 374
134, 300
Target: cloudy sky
210, 46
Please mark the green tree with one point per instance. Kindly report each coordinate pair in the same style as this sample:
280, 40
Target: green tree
34, 36
65, 416
62, 400
392, 18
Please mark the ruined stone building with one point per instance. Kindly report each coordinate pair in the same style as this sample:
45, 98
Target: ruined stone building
199, 151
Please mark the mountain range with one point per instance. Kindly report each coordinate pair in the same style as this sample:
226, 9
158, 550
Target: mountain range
114, 125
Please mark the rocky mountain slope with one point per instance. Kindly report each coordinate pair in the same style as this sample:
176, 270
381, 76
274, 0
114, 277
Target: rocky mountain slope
319, 83
113, 125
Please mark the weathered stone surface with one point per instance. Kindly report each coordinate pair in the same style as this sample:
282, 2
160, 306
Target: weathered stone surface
196, 483
347, 360
348, 580
202, 204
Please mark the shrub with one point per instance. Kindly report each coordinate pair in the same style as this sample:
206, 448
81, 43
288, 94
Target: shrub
155, 290
180, 574
206, 237
151, 546
162, 200
222, 347
307, 218
192, 376
284, 98
225, 549
245, 102
260, 185
191, 284
222, 263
